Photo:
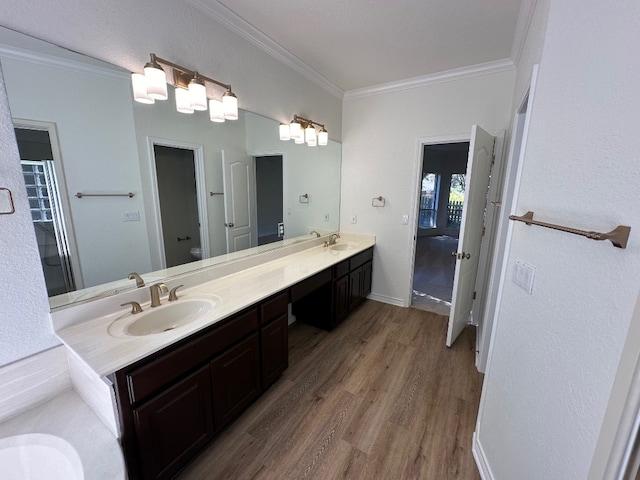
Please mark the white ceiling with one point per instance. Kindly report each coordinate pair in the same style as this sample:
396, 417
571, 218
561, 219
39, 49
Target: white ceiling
361, 43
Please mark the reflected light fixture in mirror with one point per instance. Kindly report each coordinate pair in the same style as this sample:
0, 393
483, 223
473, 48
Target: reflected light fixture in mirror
302, 130
191, 90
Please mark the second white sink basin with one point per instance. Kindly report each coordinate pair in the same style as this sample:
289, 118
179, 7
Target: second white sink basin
341, 247
164, 318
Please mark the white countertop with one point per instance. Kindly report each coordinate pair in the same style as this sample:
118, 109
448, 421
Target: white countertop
106, 354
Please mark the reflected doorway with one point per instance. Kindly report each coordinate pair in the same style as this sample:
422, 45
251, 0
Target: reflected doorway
37, 161
269, 199
178, 199
442, 191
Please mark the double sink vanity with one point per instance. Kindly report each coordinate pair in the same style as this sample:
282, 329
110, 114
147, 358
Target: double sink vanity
168, 379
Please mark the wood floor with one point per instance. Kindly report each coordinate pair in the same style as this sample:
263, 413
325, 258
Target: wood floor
380, 397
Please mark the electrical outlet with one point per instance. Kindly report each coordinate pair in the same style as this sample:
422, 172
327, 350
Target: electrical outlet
354, 219
131, 216
281, 230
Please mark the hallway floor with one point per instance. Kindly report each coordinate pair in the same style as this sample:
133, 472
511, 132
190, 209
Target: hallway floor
433, 274
380, 397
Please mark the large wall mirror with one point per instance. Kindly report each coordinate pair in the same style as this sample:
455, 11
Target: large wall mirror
118, 187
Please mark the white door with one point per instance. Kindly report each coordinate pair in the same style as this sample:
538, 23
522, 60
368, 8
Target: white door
238, 174
475, 201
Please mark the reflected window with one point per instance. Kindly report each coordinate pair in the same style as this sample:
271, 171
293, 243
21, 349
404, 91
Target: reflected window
429, 200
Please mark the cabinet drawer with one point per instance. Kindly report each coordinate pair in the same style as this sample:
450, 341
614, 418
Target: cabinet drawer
360, 259
143, 381
341, 269
310, 284
274, 308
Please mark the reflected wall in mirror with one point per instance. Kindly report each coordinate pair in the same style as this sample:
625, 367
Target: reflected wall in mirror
104, 143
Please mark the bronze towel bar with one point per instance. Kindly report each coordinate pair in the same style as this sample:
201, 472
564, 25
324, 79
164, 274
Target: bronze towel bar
618, 236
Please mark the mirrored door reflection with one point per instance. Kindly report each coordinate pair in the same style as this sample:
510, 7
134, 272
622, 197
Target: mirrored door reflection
269, 196
46, 212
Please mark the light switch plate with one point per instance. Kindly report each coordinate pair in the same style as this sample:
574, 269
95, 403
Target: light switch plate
131, 216
405, 219
523, 275
354, 219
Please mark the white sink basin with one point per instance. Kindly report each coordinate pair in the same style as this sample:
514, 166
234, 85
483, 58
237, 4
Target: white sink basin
341, 247
164, 318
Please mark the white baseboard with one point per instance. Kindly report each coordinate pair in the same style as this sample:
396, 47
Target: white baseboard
398, 302
481, 459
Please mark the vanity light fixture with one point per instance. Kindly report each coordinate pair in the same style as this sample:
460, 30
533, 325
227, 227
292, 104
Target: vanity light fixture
191, 90
302, 130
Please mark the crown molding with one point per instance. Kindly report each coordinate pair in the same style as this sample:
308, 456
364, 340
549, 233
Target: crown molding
237, 24
435, 78
522, 29
47, 60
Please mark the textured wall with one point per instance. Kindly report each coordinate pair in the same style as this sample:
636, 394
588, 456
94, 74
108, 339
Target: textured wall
24, 309
556, 352
380, 156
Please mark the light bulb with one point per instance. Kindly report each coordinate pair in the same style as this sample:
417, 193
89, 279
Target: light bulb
323, 137
285, 134
156, 81
198, 94
230, 102
216, 111
183, 100
295, 131
139, 84
310, 134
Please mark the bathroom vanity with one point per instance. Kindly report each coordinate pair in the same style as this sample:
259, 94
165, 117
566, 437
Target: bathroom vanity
173, 392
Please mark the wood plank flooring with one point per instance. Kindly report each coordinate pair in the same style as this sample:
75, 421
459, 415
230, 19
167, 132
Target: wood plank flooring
380, 397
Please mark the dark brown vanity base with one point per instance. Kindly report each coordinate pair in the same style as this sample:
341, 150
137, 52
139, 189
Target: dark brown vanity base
326, 299
174, 402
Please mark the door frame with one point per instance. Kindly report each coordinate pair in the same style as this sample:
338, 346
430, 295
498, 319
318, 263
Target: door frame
285, 179
415, 201
201, 195
65, 204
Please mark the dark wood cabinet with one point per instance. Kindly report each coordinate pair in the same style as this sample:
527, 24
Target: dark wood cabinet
235, 380
172, 403
173, 426
327, 298
274, 342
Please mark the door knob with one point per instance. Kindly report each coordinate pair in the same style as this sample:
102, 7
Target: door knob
461, 256
229, 224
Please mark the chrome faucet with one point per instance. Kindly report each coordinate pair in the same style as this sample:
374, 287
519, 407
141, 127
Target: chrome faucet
332, 239
314, 232
137, 278
156, 290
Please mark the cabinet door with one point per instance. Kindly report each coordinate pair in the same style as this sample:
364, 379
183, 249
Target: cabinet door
340, 299
274, 340
235, 379
367, 274
174, 425
355, 288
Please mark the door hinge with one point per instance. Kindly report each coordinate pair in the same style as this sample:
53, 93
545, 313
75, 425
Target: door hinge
474, 295
483, 230
493, 160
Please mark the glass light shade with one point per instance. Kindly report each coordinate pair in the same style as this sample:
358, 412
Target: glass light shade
313, 141
310, 134
230, 102
198, 94
299, 140
216, 111
295, 130
183, 100
139, 84
285, 134
156, 81
323, 137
